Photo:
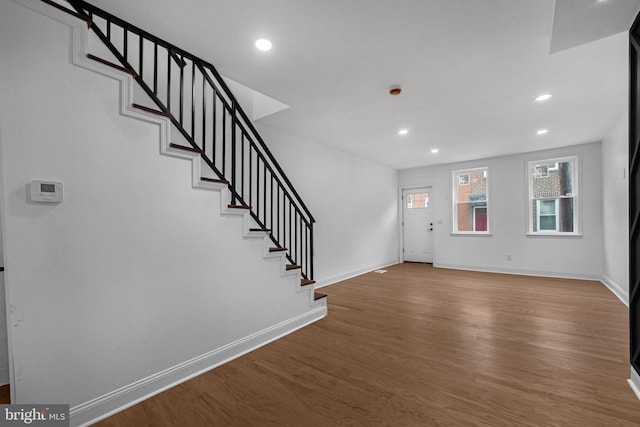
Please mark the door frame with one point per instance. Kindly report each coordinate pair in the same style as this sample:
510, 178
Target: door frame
634, 206
432, 193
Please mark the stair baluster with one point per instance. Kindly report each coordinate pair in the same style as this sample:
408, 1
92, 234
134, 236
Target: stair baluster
210, 119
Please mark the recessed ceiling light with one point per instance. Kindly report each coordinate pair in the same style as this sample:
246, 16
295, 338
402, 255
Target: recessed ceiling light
434, 150
403, 131
263, 45
542, 131
543, 97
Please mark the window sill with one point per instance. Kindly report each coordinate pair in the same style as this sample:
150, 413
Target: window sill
564, 235
471, 234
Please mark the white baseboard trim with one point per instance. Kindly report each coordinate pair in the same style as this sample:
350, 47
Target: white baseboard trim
520, 272
104, 406
634, 382
344, 276
616, 289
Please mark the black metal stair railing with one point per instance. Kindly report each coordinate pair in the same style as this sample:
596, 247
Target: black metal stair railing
205, 112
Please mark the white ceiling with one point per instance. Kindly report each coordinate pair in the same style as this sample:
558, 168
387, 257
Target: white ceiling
469, 69
577, 22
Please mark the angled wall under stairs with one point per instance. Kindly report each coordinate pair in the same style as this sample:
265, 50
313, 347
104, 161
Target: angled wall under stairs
143, 275
190, 92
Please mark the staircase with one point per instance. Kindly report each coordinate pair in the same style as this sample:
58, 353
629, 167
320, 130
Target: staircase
207, 125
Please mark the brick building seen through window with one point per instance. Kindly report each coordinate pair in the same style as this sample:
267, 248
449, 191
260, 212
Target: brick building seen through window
471, 201
552, 197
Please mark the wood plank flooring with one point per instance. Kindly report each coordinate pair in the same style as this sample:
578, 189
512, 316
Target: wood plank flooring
420, 346
5, 395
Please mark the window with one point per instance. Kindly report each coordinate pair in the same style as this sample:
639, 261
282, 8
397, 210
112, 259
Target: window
547, 215
470, 201
542, 171
479, 218
417, 201
552, 196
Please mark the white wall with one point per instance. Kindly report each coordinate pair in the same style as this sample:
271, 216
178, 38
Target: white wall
554, 256
135, 272
615, 161
353, 200
4, 343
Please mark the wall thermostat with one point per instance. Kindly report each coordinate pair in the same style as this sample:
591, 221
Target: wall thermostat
46, 191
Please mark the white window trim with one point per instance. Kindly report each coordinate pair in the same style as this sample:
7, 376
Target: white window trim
454, 206
575, 196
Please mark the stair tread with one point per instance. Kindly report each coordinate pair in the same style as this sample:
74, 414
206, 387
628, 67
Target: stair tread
182, 147
217, 181
151, 110
274, 249
237, 202
112, 65
318, 295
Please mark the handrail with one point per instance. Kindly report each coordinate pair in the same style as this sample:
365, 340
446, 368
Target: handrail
234, 141
259, 138
219, 80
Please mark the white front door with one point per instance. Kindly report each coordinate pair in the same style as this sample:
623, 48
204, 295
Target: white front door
417, 220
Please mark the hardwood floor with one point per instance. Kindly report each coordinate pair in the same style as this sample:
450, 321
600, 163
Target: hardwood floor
420, 346
5, 395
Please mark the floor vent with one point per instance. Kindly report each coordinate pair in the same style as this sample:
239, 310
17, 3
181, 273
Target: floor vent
380, 271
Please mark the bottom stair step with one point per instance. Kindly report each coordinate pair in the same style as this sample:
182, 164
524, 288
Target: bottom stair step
318, 295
